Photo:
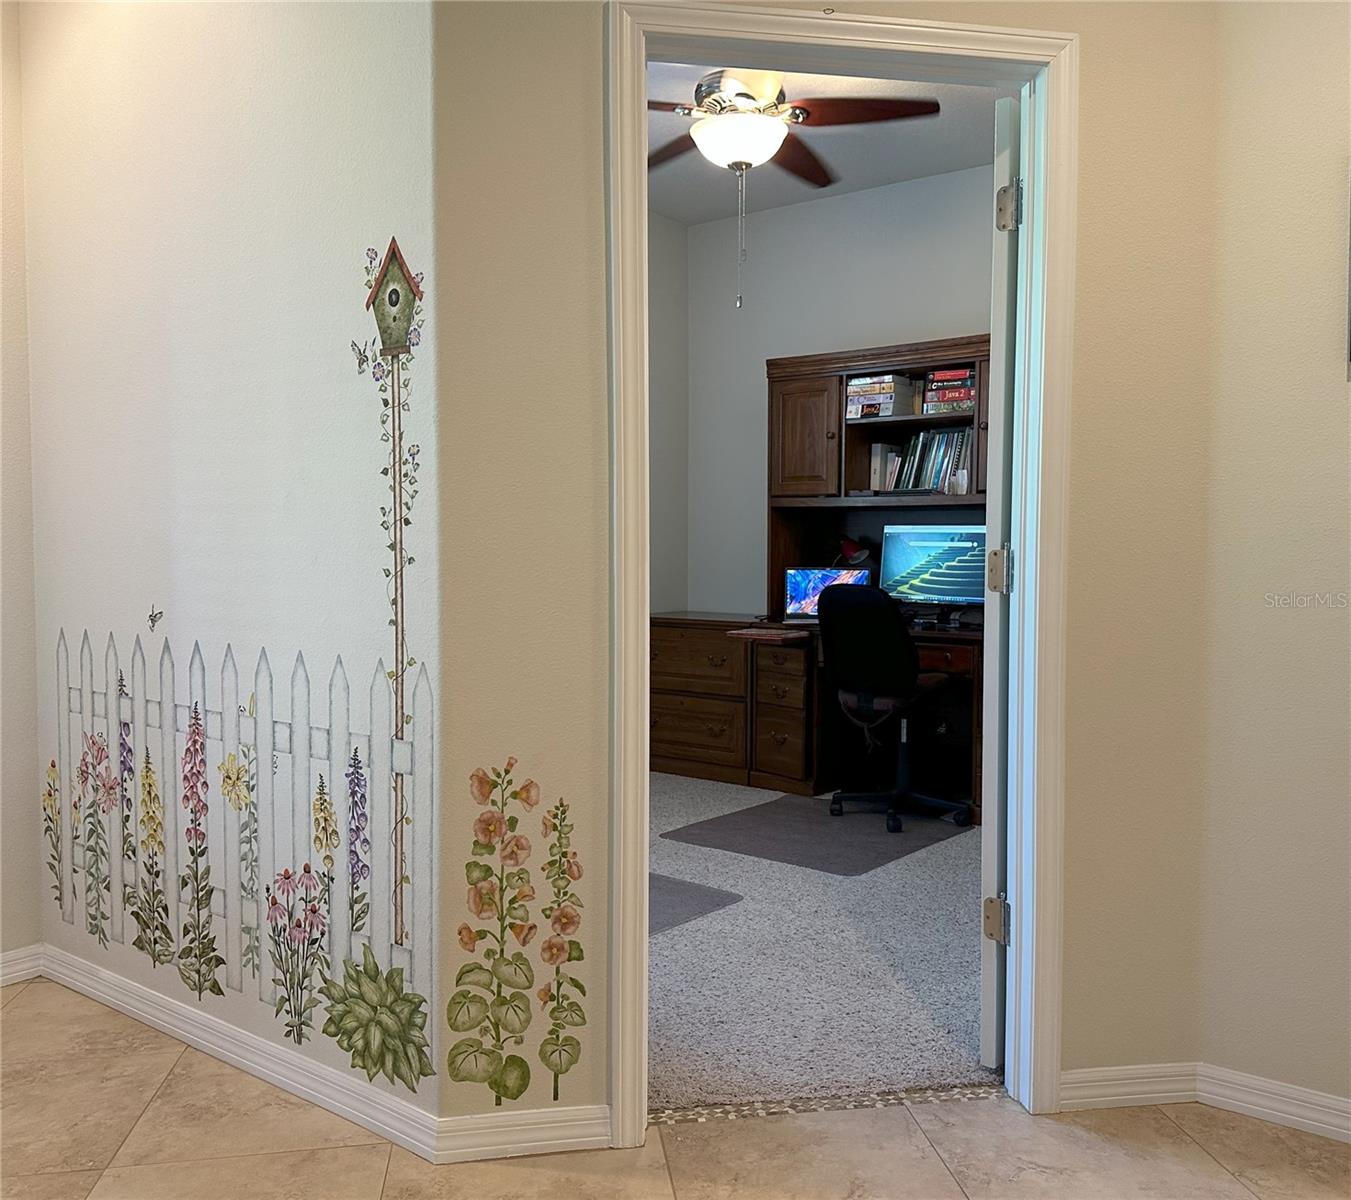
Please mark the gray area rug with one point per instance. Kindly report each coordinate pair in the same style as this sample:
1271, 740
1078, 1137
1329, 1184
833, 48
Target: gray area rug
800, 831
672, 902
814, 985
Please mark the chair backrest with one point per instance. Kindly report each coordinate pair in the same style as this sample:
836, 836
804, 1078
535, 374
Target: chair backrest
865, 641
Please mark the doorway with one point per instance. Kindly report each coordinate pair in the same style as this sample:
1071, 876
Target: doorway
1025, 865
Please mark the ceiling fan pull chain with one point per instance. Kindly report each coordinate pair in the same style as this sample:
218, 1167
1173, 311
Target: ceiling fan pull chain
740, 169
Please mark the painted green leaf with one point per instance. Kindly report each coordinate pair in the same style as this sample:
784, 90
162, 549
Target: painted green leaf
560, 1052
568, 1013
465, 1010
470, 1061
477, 872
512, 1011
512, 1078
574, 950
515, 972
475, 975
572, 979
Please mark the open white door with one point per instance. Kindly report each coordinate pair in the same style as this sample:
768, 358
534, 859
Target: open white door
1006, 205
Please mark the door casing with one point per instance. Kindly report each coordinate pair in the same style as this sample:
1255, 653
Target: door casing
1045, 67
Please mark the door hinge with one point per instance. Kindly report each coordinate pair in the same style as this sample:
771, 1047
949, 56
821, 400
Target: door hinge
999, 570
995, 919
1008, 206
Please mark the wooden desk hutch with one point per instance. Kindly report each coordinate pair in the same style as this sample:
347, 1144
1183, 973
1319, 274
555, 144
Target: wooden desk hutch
741, 712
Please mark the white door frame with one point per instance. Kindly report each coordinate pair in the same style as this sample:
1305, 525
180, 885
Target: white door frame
1045, 66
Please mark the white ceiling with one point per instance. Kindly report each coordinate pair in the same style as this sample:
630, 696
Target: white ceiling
690, 189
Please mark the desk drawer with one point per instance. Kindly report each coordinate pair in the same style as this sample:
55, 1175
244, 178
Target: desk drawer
955, 660
782, 660
698, 730
780, 742
790, 691
697, 660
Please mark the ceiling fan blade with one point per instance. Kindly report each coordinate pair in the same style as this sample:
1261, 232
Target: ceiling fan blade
797, 157
857, 110
664, 105
682, 145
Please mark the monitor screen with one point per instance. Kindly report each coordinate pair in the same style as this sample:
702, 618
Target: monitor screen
934, 564
803, 586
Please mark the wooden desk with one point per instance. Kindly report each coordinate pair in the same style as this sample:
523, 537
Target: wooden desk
750, 712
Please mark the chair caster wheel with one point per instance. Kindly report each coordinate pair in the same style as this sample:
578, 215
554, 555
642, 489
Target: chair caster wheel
836, 808
962, 818
893, 823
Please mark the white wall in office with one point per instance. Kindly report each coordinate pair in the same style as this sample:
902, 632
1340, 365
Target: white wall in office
669, 409
902, 263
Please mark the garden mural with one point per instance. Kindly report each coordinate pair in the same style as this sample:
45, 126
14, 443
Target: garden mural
275, 846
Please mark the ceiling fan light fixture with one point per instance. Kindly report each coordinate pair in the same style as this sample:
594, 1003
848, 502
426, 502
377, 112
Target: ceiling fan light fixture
739, 137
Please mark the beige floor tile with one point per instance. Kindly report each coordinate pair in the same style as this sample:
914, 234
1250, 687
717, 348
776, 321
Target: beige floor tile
10, 990
67, 1185
209, 1109
64, 1114
580, 1175
1275, 1162
997, 1151
46, 1021
345, 1173
858, 1154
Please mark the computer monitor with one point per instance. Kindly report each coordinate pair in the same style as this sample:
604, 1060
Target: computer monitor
934, 564
802, 587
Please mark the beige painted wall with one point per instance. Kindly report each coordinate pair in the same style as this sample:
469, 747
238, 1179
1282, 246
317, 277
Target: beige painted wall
21, 886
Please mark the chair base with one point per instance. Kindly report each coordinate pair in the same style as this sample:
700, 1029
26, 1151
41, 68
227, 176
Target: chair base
959, 810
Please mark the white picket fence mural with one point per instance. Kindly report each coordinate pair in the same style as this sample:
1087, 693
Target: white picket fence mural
292, 751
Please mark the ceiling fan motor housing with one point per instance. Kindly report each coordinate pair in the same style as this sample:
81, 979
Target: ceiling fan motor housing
725, 91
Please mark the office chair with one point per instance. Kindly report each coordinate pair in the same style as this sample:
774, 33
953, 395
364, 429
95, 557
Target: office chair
872, 663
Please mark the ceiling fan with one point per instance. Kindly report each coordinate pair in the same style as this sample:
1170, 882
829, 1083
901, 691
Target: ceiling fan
743, 119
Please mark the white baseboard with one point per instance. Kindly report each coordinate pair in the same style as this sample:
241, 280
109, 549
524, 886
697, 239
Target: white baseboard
496, 1134
20, 964
1182, 1083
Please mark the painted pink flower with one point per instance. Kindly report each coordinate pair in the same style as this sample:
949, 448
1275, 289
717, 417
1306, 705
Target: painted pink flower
515, 850
314, 918
468, 938
546, 995
525, 894
195, 836
547, 825
528, 793
524, 933
285, 884
106, 795
572, 866
553, 950
565, 920
276, 914
510, 765
480, 786
490, 827
297, 932
308, 882
483, 898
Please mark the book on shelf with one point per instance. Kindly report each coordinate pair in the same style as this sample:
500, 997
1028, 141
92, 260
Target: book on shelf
951, 375
950, 406
881, 396
935, 460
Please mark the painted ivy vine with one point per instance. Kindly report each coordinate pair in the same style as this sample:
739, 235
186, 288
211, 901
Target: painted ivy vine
51, 829
150, 906
560, 1050
198, 960
492, 1000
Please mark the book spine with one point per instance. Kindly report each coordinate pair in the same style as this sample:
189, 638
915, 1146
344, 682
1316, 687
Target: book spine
869, 389
949, 406
951, 373
952, 385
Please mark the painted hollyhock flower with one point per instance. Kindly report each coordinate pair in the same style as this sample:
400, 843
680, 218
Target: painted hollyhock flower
528, 793
554, 950
524, 933
572, 866
566, 920
483, 898
480, 786
468, 938
490, 827
515, 850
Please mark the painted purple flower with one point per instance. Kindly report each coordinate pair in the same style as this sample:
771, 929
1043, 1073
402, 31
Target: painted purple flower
379, 370
308, 882
358, 844
314, 919
297, 932
415, 336
285, 884
372, 255
276, 914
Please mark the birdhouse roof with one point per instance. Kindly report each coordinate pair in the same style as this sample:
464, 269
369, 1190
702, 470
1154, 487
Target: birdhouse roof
392, 253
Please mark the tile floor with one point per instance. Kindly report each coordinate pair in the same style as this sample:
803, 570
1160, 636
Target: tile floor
95, 1106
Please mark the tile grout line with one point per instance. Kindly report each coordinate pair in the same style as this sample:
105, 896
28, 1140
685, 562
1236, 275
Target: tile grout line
924, 1133
384, 1179
173, 1066
1204, 1149
183, 1162
666, 1162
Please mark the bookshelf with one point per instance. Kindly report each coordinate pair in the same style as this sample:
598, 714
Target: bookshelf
820, 460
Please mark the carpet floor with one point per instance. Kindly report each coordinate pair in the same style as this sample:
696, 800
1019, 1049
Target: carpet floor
812, 984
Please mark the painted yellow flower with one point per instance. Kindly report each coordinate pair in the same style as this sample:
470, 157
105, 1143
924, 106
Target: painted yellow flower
326, 836
51, 794
152, 812
234, 782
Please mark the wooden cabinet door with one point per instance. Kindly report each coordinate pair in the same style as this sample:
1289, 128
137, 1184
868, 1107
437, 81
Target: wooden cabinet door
804, 437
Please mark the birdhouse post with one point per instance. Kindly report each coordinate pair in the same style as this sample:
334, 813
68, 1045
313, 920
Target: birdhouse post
391, 299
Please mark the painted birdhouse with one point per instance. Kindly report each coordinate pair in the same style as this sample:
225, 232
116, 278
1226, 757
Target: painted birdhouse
395, 291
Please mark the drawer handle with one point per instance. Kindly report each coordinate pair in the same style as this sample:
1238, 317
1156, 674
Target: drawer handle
655, 722
778, 658
715, 730
830, 435
780, 692
947, 656
777, 738
717, 660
